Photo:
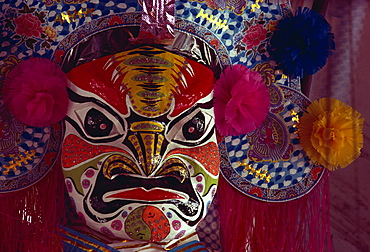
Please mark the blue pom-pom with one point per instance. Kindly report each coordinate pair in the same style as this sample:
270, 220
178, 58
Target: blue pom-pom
302, 43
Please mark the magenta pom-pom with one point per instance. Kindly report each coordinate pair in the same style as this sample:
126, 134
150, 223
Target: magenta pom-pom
241, 102
35, 92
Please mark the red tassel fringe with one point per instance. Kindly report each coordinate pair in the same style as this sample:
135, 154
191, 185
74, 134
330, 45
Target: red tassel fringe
255, 226
30, 218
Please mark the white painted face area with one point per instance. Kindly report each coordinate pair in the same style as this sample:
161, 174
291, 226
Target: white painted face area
133, 175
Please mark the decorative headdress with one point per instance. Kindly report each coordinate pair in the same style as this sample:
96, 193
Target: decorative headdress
274, 145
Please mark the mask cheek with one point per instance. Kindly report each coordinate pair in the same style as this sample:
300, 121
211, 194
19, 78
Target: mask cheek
75, 198
81, 178
199, 184
205, 187
87, 180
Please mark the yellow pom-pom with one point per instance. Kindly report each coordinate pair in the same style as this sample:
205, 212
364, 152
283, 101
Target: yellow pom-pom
331, 133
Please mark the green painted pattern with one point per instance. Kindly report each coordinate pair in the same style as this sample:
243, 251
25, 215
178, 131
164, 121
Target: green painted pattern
76, 174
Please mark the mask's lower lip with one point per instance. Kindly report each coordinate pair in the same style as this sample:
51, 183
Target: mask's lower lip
141, 194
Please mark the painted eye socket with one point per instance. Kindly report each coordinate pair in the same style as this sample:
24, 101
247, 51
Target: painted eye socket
192, 129
195, 128
96, 124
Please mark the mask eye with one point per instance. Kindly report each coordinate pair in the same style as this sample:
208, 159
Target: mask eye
96, 124
192, 129
195, 128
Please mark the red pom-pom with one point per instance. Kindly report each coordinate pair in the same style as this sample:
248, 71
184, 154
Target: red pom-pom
35, 92
241, 102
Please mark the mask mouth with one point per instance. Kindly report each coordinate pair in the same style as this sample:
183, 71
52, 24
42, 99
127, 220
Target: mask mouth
121, 165
107, 198
142, 194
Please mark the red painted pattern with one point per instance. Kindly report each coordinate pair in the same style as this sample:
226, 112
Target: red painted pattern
157, 222
207, 154
92, 78
75, 150
142, 194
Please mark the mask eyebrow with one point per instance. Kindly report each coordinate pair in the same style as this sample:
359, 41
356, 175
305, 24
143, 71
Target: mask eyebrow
74, 97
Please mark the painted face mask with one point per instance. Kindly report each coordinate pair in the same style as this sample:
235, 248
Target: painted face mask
139, 154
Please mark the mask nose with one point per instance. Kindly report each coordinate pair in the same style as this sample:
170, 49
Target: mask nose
147, 141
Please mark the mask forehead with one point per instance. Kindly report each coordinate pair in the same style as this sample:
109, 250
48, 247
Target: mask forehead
152, 79
152, 76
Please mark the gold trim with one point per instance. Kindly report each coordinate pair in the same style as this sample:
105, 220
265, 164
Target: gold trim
156, 126
151, 246
180, 240
171, 246
82, 240
79, 245
189, 247
131, 246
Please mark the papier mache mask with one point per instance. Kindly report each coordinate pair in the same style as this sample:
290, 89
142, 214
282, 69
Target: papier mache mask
139, 155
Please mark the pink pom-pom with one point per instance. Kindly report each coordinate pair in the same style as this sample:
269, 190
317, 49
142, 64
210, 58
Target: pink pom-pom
241, 102
35, 92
